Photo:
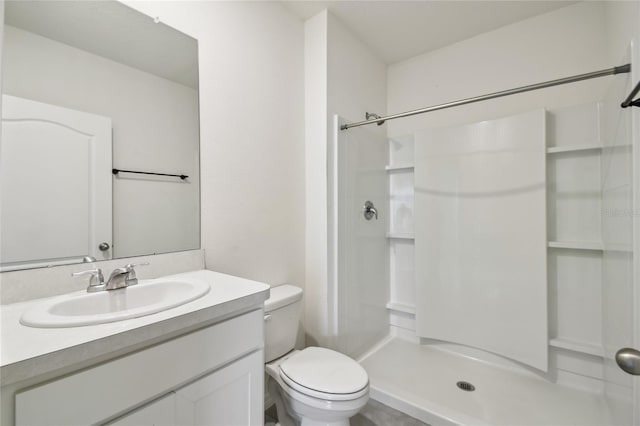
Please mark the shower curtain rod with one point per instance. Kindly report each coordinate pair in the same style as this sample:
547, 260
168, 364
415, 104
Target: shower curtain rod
610, 71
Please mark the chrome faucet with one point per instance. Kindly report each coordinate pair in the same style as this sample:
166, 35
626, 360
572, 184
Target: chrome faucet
123, 277
119, 278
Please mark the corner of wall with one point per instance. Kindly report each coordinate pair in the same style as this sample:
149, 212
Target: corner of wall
315, 84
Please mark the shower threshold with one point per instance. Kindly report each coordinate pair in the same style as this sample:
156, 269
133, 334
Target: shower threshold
422, 381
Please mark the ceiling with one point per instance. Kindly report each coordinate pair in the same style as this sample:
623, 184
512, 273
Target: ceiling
112, 30
397, 30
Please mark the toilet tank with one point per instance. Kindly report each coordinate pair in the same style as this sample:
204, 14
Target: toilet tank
281, 319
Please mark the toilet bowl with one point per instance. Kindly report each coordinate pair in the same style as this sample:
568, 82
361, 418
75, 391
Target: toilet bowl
310, 387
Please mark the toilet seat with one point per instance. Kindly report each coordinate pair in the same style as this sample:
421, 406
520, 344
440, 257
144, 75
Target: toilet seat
324, 374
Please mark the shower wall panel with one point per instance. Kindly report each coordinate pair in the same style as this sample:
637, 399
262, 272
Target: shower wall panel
362, 252
480, 236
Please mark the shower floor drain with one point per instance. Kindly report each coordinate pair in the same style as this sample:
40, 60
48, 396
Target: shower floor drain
466, 386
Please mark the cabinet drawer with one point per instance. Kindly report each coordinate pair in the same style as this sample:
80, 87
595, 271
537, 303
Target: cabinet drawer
99, 393
161, 412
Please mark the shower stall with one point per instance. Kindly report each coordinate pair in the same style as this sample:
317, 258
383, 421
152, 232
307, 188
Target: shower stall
484, 273
360, 250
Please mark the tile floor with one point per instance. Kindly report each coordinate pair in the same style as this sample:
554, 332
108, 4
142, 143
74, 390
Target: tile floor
378, 414
373, 414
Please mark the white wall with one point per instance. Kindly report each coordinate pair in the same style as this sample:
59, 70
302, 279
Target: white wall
356, 80
317, 309
342, 77
251, 134
559, 44
155, 128
1, 45
621, 22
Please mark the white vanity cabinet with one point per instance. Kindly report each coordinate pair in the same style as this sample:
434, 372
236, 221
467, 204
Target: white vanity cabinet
225, 397
211, 376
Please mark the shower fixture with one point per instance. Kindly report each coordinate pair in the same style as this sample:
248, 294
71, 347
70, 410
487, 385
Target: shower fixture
373, 115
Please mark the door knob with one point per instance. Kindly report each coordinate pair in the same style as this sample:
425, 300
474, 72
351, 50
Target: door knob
628, 359
104, 246
370, 211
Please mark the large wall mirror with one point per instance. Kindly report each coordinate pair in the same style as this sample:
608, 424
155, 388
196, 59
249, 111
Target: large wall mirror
99, 155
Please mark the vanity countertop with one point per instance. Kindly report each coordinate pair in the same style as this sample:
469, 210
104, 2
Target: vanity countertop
28, 352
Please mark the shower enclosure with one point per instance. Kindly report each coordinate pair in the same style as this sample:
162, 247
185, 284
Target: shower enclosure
360, 252
427, 287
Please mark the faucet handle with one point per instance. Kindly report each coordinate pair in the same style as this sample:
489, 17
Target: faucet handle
96, 282
131, 273
133, 265
93, 272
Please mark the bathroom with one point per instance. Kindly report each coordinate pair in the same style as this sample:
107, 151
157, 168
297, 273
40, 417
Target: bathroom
275, 193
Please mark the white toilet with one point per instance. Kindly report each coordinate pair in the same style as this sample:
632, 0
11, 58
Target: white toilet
314, 386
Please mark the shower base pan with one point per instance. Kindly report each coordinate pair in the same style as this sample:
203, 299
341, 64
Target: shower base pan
423, 382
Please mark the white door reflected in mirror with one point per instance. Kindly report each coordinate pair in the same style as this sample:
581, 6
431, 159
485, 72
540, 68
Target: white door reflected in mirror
56, 185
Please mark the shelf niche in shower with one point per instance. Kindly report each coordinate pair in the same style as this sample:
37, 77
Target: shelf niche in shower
400, 168
576, 245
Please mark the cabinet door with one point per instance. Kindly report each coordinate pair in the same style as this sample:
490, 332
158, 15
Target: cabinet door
160, 412
230, 396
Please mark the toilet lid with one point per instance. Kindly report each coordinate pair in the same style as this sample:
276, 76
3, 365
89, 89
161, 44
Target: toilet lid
323, 370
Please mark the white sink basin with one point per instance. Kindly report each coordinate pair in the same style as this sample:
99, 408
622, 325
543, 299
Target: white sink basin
145, 298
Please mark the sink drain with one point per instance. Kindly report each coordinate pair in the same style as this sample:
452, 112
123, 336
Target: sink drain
466, 386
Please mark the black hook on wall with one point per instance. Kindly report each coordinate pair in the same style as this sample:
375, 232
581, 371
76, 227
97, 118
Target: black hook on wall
630, 101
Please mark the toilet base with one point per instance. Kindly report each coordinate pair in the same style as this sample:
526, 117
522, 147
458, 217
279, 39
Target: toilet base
292, 412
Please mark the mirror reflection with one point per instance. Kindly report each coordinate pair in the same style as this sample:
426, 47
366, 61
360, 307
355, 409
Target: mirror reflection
93, 92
